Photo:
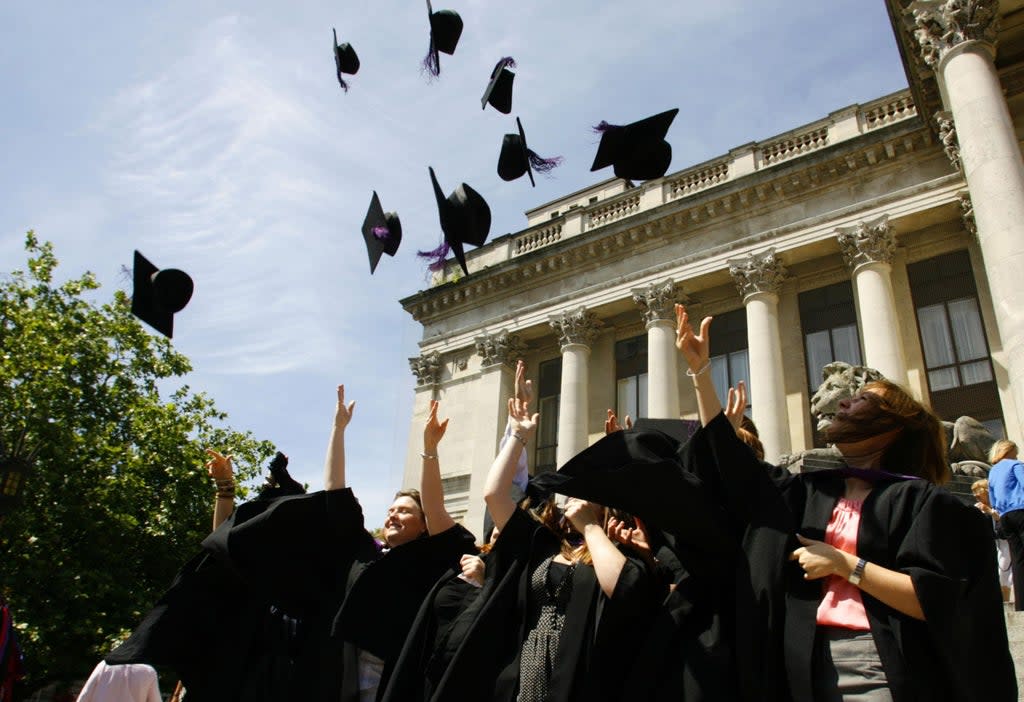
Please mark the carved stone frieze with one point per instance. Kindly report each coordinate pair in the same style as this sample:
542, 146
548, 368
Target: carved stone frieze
947, 135
500, 347
658, 300
577, 326
427, 368
758, 273
940, 25
967, 213
867, 242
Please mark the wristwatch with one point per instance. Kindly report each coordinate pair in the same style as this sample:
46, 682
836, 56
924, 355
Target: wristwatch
858, 571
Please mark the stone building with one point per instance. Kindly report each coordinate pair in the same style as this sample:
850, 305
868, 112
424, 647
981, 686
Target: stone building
887, 234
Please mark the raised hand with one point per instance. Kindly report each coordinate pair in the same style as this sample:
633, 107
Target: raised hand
520, 420
524, 387
694, 347
343, 412
736, 404
582, 513
636, 537
434, 431
219, 466
611, 424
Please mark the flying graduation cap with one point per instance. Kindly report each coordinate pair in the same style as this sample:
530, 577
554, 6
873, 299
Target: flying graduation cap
638, 151
499, 90
345, 60
157, 295
382, 232
465, 219
445, 30
516, 158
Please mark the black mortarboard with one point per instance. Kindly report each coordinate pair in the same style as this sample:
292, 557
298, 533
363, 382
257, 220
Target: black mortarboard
445, 30
516, 158
158, 294
638, 471
499, 91
382, 232
465, 219
345, 60
638, 151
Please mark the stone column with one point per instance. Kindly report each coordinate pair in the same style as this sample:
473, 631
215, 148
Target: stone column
868, 249
658, 303
427, 369
957, 40
758, 278
576, 331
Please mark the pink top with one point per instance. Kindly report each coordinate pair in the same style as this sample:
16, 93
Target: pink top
841, 604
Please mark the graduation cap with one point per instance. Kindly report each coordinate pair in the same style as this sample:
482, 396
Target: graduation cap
465, 219
499, 91
158, 294
382, 232
345, 60
638, 471
516, 158
638, 151
445, 30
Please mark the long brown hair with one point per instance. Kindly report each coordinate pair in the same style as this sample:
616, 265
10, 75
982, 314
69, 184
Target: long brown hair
550, 515
920, 447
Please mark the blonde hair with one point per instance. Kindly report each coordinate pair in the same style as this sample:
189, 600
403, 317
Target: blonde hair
1004, 448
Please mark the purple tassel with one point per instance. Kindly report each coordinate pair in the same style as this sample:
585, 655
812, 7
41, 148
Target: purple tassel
436, 257
506, 62
381, 232
431, 65
541, 164
605, 127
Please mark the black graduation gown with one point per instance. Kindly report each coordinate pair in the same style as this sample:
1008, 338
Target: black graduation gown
484, 641
959, 653
310, 558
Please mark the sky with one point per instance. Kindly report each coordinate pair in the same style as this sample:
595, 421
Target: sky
213, 137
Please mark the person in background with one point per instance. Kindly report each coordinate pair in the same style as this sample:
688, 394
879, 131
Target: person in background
979, 488
1006, 497
133, 682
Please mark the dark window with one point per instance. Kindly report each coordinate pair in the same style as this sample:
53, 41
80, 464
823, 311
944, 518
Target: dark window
631, 377
729, 358
548, 395
956, 355
828, 317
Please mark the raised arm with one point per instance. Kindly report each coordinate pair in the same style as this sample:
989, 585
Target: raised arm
431, 492
608, 559
220, 469
334, 464
696, 350
498, 488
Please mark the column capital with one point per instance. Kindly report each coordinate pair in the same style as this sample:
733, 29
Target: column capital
942, 25
870, 241
967, 213
577, 326
658, 300
499, 348
947, 135
757, 273
427, 369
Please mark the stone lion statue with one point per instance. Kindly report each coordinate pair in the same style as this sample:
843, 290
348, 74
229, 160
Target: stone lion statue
968, 440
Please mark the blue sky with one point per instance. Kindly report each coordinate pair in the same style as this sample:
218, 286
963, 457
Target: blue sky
213, 137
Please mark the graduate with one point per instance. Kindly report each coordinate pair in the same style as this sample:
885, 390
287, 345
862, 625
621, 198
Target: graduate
866, 581
310, 557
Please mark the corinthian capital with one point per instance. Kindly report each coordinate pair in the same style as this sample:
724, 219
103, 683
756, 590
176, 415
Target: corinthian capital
867, 242
427, 368
577, 326
658, 300
757, 273
500, 347
940, 25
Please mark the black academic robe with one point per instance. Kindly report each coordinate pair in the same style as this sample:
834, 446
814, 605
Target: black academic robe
479, 658
309, 558
959, 653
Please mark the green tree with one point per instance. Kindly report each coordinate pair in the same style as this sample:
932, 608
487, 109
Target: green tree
117, 499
